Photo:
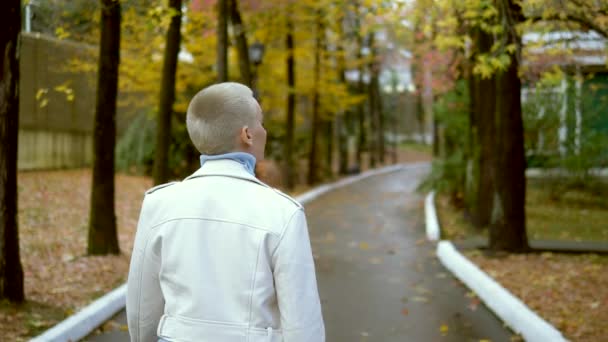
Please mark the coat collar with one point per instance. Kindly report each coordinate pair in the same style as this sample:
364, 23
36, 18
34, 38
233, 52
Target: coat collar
225, 168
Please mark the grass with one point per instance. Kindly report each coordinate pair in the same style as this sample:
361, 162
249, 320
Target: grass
577, 215
415, 146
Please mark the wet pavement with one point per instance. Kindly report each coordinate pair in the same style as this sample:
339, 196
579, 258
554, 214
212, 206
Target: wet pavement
378, 277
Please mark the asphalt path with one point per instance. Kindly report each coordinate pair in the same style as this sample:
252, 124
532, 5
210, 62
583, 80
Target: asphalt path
379, 279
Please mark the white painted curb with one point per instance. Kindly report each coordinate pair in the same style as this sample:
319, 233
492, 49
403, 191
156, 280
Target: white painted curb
517, 315
82, 323
88, 319
540, 172
322, 189
432, 226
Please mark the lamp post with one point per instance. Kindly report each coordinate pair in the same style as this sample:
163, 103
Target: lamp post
256, 52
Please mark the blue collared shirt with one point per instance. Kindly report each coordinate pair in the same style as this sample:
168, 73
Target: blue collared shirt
247, 160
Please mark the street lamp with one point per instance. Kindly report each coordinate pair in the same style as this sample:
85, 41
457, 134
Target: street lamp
256, 53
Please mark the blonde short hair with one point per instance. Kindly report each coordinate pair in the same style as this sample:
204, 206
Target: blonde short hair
216, 115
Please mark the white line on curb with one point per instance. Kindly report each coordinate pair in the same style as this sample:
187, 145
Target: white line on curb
505, 305
432, 226
88, 319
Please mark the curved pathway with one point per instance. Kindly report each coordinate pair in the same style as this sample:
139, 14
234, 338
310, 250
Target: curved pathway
378, 277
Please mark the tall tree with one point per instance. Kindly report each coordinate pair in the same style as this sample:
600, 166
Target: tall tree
11, 272
313, 156
103, 238
342, 118
373, 102
483, 108
167, 93
291, 105
222, 40
362, 140
508, 222
241, 43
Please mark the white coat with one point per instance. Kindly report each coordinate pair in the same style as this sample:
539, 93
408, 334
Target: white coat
222, 257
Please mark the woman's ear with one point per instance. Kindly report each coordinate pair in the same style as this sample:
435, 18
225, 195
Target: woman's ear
246, 137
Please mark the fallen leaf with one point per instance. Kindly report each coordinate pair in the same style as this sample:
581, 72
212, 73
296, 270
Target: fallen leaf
405, 312
420, 299
375, 261
444, 329
473, 304
363, 246
422, 290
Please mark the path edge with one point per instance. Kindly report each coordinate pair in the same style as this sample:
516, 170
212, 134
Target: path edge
510, 309
85, 321
81, 324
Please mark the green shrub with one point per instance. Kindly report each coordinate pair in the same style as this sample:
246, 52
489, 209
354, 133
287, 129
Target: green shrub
448, 173
135, 149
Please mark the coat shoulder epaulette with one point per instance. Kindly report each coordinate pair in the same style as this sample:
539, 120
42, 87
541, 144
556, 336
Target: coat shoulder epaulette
291, 199
160, 186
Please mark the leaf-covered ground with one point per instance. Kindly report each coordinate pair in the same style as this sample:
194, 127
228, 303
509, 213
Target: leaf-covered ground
570, 291
59, 277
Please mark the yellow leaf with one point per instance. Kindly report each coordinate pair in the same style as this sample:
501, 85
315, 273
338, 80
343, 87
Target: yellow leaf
444, 329
43, 103
40, 93
61, 33
363, 246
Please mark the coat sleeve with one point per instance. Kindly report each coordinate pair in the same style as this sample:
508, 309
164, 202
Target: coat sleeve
296, 284
145, 303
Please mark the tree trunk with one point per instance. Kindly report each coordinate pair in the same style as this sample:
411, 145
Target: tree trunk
484, 109
316, 122
167, 96
241, 43
341, 128
291, 106
102, 218
508, 224
373, 105
222, 41
380, 119
11, 272
329, 140
436, 141
361, 141
342, 119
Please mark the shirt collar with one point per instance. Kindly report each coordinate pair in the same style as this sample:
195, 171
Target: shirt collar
247, 160
226, 168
